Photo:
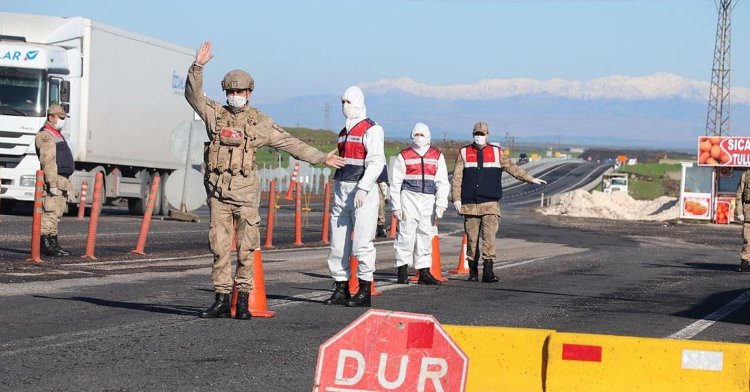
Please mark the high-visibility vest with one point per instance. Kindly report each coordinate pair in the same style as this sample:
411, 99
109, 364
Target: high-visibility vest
481, 175
352, 149
420, 170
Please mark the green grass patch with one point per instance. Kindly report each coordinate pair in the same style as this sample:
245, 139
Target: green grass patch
653, 170
645, 189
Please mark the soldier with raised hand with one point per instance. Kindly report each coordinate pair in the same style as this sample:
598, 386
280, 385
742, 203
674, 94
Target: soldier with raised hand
56, 160
477, 191
236, 131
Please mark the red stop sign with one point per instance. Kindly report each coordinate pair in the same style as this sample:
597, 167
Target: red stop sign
391, 351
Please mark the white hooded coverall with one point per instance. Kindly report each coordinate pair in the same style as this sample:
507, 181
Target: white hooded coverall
417, 227
353, 229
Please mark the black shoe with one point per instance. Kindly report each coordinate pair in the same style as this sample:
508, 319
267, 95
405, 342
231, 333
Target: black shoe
425, 277
340, 294
381, 231
744, 266
48, 248
403, 275
242, 312
56, 244
473, 271
362, 298
488, 275
220, 308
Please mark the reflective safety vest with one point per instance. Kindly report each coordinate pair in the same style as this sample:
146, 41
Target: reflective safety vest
63, 156
482, 174
420, 170
352, 149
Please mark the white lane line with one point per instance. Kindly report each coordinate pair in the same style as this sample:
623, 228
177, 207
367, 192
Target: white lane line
699, 326
516, 264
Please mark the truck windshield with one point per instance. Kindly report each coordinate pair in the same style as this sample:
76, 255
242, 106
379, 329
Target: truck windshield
619, 181
22, 92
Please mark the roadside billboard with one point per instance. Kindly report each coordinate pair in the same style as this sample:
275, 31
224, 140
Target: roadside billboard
724, 151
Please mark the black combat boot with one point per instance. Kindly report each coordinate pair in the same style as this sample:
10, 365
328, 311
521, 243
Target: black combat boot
362, 298
56, 244
220, 309
242, 312
403, 275
744, 266
48, 248
425, 277
340, 294
381, 231
473, 271
488, 275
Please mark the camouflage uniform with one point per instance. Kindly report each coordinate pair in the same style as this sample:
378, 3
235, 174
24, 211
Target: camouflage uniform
232, 179
742, 206
56, 160
484, 214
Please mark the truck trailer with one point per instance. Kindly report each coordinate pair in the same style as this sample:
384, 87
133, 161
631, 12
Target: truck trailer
123, 92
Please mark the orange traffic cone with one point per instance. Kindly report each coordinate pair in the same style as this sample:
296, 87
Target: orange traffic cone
257, 296
354, 281
436, 268
463, 266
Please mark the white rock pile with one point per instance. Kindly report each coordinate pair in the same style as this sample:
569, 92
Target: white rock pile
616, 205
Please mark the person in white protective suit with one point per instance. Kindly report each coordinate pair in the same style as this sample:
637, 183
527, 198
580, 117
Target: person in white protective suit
355, 209
419, 194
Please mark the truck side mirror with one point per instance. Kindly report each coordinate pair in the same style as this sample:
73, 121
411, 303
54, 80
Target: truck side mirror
65, 92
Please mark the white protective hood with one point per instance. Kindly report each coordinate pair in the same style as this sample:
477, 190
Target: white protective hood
424, 130
355, 111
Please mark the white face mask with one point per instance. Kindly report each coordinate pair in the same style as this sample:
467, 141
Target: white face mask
350, 111
419, 141
59, 124
236, 101
480, 140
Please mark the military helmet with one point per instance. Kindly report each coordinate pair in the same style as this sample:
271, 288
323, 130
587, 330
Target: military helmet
237, 80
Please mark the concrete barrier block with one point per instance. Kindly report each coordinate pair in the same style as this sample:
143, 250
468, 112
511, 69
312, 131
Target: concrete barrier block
583, 362
502, 359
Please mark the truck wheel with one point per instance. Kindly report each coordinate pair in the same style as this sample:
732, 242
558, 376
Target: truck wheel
163, 195
137, 206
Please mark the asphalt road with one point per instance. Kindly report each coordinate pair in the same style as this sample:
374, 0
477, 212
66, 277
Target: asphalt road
129, 323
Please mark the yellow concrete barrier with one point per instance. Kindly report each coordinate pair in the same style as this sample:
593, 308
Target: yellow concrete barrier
502, 359
582, 363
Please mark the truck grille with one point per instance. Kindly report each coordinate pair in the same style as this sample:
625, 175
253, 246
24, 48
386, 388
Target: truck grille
9, 161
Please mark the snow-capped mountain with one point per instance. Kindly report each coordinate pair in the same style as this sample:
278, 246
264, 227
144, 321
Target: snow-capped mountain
661, 110
630, 88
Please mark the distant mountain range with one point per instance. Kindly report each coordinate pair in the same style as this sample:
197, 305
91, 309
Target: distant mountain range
660, 111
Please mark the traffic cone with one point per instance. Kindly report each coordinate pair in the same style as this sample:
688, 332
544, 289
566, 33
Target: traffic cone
354, 281
436, 268
463, 266
257, 296
257, 300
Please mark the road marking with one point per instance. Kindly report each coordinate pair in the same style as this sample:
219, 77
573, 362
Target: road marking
699, 326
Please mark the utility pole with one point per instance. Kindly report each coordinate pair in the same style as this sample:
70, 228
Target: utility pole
326, 115
717, 119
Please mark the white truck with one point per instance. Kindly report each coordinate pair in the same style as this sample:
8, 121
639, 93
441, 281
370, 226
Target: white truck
124, 94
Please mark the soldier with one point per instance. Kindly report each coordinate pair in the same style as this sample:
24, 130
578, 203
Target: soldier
384, 195
355, 208
477, 191
56, 161
419, 196
742, 211
236, 131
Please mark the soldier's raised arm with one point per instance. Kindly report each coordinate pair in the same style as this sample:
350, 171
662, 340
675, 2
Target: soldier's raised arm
516, 171
204, 106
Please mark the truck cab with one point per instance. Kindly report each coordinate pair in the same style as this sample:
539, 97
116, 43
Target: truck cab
31, 78
615, 182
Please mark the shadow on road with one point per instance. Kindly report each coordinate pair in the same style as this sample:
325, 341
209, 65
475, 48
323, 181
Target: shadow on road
707, 308
164, 309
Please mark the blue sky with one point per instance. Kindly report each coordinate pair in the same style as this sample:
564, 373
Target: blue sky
304, 47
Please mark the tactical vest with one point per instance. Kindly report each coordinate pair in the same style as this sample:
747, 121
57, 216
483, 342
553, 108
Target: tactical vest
352, 149
63, 156
420, 170
231, 149
482, 174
